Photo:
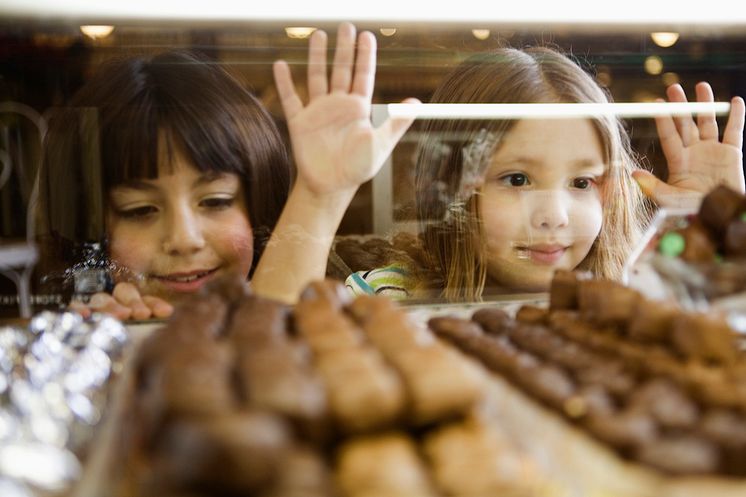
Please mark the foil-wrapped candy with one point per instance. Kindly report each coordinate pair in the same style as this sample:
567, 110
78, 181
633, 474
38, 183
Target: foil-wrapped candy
53, 379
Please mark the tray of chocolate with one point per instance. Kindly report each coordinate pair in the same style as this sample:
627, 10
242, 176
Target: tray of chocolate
238, 395
697, 257
637, 396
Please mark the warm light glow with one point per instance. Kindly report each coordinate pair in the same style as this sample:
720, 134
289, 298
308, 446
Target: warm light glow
557, 111
96, 31
481, 34
653, 65
299, 32
670, 78
665, 39
388, 31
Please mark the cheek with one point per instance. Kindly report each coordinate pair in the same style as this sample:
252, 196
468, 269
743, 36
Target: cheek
130, 254
235, 244
588, 217
501, 219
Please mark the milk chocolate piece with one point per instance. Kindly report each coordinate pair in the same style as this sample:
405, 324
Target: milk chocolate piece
550, 384
698, 244
667, 403
363, 392
532, 314
492, 320
684, 455
563, 291
606, 302
230, 287
382, 466
440, 382
331, 291
652, 321
453, 328
735, 238
719, 207
706, 337
473, 458
233, 452
257, 322
625, 430
303, 473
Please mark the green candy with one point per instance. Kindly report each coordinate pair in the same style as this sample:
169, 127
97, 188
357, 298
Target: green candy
671, 244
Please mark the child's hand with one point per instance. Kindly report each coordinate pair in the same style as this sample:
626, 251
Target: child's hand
697, 160
124, 303
335, 146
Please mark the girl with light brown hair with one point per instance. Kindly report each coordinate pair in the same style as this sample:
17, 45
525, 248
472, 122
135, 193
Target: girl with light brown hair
503, 203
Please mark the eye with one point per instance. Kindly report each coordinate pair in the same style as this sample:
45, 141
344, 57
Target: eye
217, 203
583, 183
514, 180
137, 212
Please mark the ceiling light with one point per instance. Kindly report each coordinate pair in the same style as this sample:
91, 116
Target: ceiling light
388, 31
96, 31
653, 65
299, 32
481, 34
664, 38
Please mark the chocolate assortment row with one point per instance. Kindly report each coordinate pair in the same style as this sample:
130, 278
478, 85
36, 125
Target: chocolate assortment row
659, 385
239, 395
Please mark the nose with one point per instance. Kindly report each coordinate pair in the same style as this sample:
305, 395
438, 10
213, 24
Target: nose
548, 209
183, 234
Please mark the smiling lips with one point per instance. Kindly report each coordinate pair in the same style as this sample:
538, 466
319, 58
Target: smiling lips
186, 281
546, 254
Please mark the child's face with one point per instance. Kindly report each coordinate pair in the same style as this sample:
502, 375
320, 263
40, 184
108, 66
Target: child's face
541, 202
180, 230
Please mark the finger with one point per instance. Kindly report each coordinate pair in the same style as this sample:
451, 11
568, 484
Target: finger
733, 134
159, 308
343, 58
664, 194
669, 137
317, 65
684, 123
81, 308
365, 66
391, 131
291, 102
103, 302
708, 126
128, 295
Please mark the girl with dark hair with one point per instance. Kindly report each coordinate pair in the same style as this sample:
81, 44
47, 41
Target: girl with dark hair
182, 175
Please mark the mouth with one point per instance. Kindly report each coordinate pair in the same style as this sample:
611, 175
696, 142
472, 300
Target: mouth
545, 254
187, 281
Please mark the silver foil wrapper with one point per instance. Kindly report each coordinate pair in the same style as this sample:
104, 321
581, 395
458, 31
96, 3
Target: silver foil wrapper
53, 387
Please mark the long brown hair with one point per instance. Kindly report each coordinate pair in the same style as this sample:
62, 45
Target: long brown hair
109, 134
447, 211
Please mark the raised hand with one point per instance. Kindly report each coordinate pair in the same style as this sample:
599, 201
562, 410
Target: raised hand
124, 303
336, 148
697, 160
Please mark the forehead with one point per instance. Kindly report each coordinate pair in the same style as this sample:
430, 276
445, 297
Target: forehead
557, 139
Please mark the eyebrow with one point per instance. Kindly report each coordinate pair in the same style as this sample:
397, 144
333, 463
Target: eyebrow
139, 184
533, 163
